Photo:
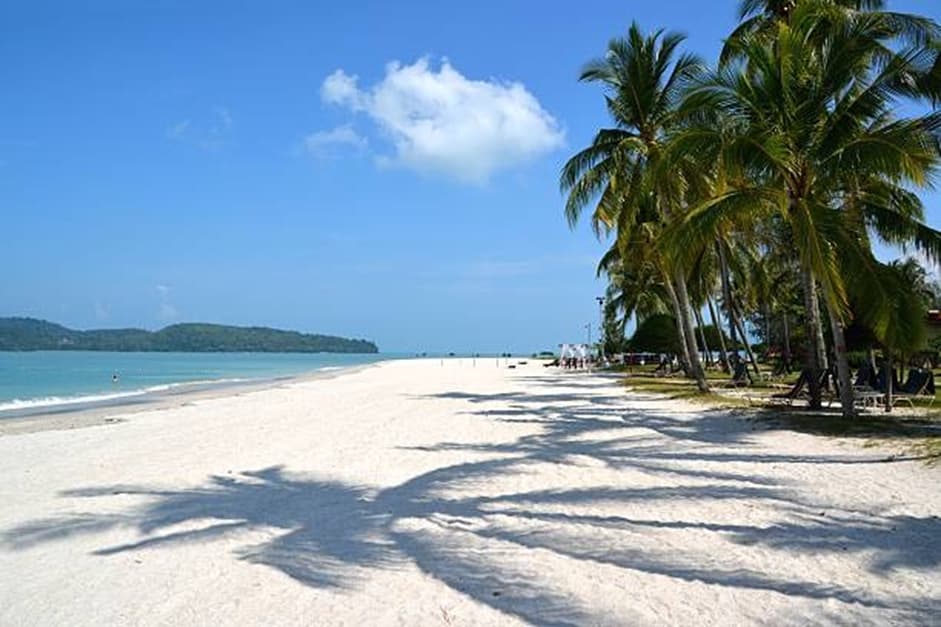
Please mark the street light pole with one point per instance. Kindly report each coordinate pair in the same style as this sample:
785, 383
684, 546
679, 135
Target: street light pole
588, 358
601, 331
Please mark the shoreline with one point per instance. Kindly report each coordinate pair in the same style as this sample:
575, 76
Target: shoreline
79, 415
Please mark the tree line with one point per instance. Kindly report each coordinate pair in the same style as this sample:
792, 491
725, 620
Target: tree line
22, 334
754, 188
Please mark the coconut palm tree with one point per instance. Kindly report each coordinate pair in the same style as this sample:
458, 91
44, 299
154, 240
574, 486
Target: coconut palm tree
811, 138
644, 77
761, 17
635, 288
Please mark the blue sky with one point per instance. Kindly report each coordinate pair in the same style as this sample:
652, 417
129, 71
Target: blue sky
260, 163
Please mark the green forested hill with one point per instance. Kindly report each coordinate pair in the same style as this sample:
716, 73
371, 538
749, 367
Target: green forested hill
30, 334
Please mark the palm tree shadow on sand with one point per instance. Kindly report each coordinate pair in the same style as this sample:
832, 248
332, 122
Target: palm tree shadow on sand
331, 534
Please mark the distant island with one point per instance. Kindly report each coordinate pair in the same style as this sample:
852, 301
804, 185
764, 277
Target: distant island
30, 334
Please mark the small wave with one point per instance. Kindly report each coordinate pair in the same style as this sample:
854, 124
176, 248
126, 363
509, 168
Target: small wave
85, 399
50, 401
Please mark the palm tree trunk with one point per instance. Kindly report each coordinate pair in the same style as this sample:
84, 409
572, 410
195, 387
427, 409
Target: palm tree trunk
702, 336
787, 344
680, 329
889, 380
727, 294
767, 312
686, 312
715, 323
842, 364
815, 356
741, 331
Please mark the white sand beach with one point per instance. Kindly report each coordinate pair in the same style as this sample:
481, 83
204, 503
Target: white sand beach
411, 493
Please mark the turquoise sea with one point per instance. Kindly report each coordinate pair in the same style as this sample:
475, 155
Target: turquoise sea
32, 382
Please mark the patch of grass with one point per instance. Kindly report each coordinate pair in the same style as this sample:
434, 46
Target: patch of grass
832, 423
682, 389
919, 436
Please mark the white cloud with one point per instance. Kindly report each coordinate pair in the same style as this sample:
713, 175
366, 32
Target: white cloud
322, 143
163, 290
209, 133
341, 89
442, 122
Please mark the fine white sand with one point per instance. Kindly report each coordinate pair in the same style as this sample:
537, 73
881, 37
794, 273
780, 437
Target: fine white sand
416, 493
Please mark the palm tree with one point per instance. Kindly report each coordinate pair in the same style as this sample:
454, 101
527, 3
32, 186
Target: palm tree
635, 289
644, 78
761, 17
813, 139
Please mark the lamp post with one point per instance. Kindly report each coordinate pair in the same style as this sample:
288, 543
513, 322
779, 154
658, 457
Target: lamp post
601, 331
588, 358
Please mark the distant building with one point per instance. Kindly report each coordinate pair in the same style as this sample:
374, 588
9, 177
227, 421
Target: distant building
933, 320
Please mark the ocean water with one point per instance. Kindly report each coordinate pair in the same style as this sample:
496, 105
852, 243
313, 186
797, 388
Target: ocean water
31, 381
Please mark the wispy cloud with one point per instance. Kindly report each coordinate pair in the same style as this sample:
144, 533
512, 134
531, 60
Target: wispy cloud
211, 133
330, 143
178, 130
441, 122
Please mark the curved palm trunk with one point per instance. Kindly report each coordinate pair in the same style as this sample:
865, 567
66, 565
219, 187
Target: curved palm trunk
889, 380
702, 336
816, 357
787, 344
696, 369
842, 364
727, 294
680, 327
715, 323
741, 331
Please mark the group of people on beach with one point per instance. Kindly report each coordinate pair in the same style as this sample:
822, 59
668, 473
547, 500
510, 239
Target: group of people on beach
576, 363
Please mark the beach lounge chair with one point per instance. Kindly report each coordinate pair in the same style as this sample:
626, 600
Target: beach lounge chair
667, 368
800, 391
882, 377
918, 383
740, 376
781, 369
865, 378
796, 392
865, 393
662, 368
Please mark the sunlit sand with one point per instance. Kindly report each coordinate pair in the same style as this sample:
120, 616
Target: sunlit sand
418, 493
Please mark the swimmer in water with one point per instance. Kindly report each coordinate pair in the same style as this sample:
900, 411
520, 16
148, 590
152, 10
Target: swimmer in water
114, 378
